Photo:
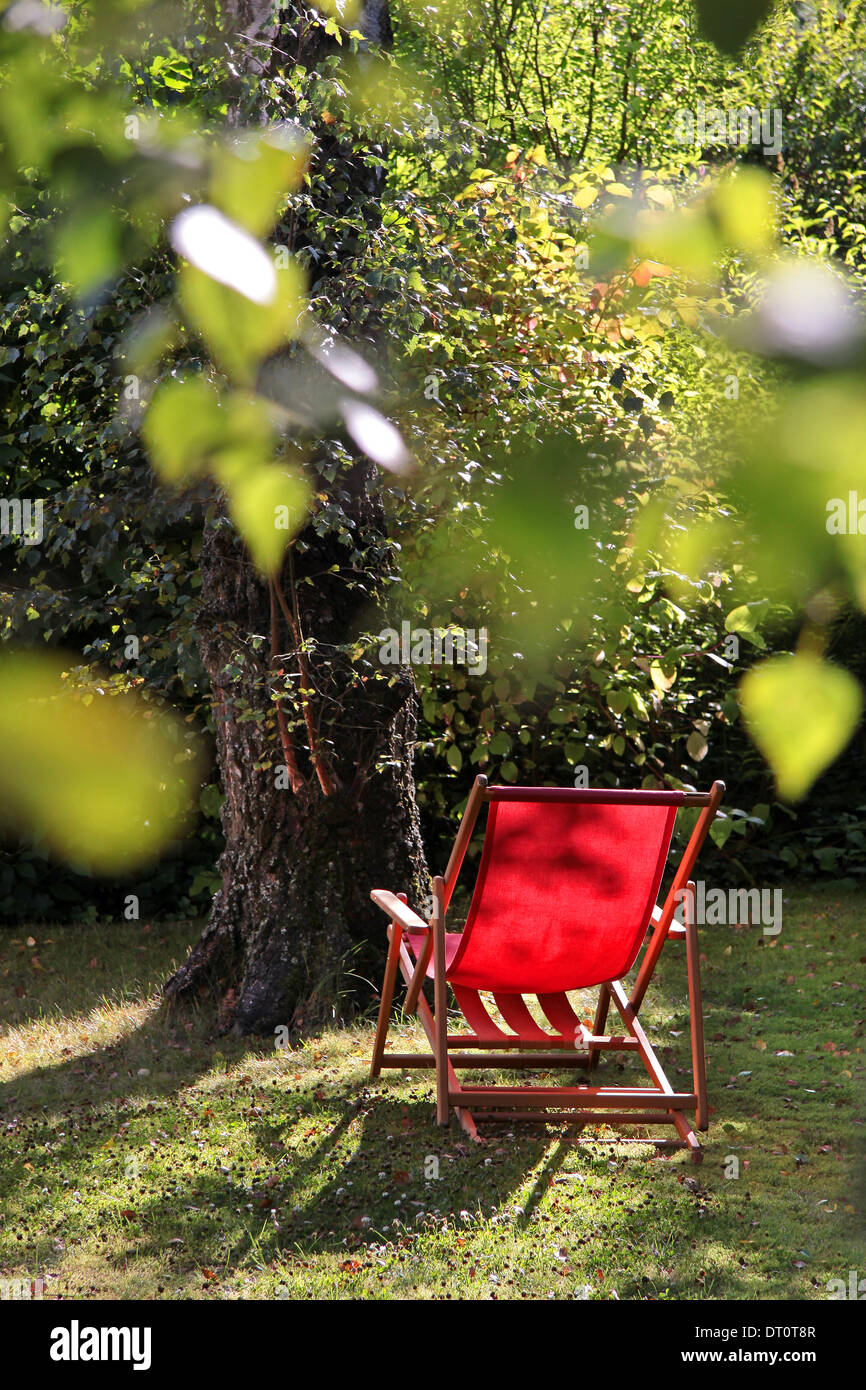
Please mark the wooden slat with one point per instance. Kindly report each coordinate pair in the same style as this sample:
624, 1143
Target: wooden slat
598, 796
488, 1060
416, 984
501, 1061
395, 938
681, 878
696, 1009
590, 1117
440, 996
464, 835
611, 1042
552, 1043
601, 1013
428, 1023
688, 1136
408, 1060
580, 1097
675, 931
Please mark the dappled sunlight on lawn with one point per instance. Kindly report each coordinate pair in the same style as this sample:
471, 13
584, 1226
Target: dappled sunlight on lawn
145, 1157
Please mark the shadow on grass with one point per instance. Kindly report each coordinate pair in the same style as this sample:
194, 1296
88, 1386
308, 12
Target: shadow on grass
72, 970
304, 1156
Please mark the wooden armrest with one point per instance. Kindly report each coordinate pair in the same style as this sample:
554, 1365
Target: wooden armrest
398, 911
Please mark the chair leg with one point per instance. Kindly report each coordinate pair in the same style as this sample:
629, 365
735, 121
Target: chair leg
600, 1021
688, 1136
466, 1118
395, 935
440, 1003
699, 1064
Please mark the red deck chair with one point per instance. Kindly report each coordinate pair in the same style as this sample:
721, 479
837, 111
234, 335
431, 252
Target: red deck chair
566, 890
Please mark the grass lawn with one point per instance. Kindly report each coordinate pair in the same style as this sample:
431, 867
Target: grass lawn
141, 1160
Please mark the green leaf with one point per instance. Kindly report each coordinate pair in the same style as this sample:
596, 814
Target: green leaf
696, 746
801, 711
661, 676
210, 800
618, 700
584, 197
743, 620
182, 427
720, 831
745, 208
657, 193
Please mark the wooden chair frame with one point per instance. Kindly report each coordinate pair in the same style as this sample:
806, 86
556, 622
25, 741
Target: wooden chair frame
657, 1104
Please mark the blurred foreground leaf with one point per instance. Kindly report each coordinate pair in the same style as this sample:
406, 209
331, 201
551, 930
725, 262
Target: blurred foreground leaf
252, 177
801, 481
269, 506
104, 779
729, 23
191, 428
551, 521
238, 331
801, 712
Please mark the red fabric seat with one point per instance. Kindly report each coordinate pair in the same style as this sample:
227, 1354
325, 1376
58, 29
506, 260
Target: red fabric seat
416, 941
564, 895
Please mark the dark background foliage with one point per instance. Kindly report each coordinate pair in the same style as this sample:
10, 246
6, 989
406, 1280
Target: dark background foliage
421, 286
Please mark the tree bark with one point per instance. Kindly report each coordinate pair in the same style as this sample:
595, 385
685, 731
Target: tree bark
319, 793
